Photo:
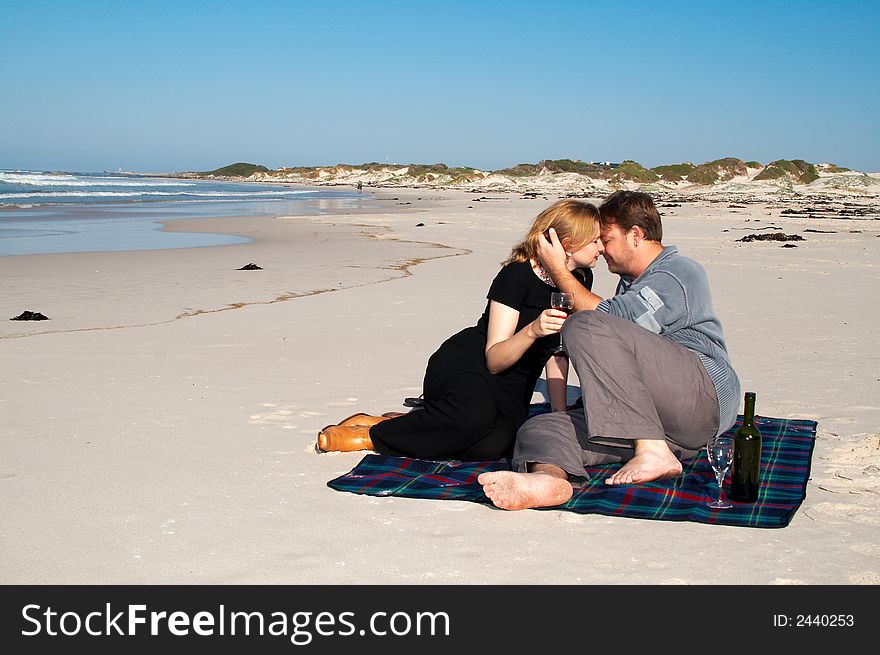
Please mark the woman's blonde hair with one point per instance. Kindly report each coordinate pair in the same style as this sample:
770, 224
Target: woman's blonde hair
576, 224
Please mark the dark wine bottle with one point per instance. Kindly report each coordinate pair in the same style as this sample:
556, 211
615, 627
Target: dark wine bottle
746, 475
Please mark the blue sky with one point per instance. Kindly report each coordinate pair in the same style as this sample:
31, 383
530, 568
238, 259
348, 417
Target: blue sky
166, 86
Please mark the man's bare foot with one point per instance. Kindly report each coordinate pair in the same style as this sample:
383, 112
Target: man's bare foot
513, 491
653, 461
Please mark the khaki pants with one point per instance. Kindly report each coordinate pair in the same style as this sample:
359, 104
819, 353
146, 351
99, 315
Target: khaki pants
635, 385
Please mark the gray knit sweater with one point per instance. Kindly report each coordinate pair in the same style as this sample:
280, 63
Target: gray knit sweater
671, 298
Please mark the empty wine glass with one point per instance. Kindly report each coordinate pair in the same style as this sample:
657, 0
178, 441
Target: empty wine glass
720, 451
564, 302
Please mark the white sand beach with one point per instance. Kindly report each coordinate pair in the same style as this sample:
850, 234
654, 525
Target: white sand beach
160, 427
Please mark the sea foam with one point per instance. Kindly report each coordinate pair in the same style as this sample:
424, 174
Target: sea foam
42, 179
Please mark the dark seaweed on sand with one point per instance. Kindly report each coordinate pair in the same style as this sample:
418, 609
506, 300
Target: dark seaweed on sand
775, 236
30, 316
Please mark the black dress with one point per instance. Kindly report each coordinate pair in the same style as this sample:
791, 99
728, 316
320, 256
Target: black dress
469, 413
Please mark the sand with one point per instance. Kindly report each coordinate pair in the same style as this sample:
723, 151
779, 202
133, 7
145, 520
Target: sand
160, 427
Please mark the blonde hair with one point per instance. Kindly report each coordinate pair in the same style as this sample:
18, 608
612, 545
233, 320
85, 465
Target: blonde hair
576, 224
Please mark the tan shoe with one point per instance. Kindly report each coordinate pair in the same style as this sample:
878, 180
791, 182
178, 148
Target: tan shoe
362, 419
344, 439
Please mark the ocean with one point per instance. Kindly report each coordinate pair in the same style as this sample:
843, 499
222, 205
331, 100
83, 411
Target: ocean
49, 212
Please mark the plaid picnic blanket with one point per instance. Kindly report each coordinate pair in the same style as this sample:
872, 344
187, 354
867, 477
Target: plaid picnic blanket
787, 448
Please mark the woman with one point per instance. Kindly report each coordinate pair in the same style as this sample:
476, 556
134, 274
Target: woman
479, 383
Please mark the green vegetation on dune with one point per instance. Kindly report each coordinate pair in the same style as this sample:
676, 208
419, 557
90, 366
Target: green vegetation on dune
718, 170
299, 169
307, 172
853, 182
441, 172
440, 169
420, 172
754, 164
558, 166
520, 170
772, 172
464, 174
674, 172
633, 170
239, 169
417, 170
796, 169
702, 176
575, 166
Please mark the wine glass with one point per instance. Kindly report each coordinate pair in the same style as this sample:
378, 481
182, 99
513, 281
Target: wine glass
720, 451
564, 302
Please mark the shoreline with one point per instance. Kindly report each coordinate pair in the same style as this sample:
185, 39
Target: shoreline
182, 451
135, 224
270, 236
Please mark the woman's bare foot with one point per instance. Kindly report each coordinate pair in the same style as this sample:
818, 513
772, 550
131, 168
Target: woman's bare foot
513, 491
652, 461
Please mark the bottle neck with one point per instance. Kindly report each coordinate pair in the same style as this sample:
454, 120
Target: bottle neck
749, 410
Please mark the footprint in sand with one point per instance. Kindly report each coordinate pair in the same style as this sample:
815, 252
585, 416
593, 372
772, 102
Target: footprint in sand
851, 473
279, 416
849, 512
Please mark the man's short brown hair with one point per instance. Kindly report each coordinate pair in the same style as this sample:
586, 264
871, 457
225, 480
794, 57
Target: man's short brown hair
628, 208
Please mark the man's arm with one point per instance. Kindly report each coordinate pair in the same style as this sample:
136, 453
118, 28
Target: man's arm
656, 301
552, 257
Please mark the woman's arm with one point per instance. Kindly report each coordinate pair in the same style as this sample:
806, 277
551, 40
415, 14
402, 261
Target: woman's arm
504, 346
556, 371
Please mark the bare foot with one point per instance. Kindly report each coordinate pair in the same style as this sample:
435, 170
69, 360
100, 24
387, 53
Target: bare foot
653, 461
513, 491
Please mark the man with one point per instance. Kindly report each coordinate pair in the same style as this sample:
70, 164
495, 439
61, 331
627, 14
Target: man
656, 378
